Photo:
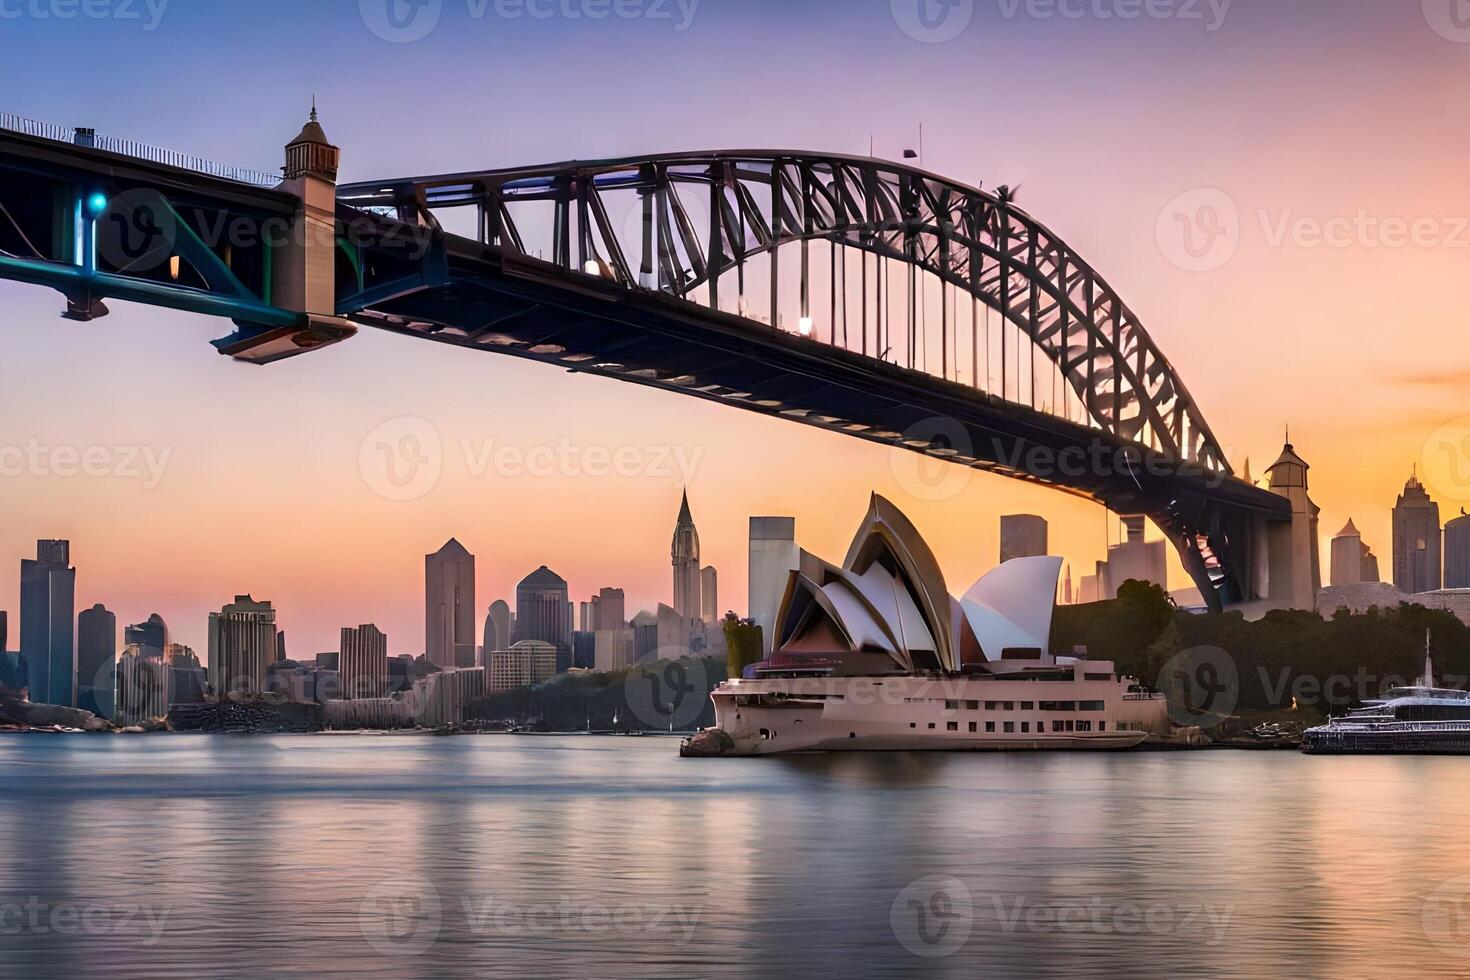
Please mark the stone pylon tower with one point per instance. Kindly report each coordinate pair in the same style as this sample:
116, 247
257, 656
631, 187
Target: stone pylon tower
1294, 575
685, 551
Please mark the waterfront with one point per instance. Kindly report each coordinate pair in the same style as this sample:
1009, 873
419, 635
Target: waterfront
207, 855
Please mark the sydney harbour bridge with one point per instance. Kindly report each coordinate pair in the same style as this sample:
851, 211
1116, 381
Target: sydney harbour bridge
869, 298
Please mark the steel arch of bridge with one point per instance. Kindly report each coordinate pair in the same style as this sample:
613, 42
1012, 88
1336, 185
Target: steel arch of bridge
757, 202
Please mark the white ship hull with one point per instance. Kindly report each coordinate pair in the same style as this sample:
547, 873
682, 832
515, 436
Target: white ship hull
954, 714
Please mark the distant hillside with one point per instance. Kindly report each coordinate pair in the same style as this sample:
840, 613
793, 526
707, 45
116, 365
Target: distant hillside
649, 697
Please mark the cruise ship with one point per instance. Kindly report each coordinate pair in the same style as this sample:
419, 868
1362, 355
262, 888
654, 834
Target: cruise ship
876, 655
1422, 719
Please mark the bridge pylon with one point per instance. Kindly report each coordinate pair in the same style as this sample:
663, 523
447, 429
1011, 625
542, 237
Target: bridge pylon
303, 266
1287, 570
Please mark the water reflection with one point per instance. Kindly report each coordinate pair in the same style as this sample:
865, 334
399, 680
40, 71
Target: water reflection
514, 857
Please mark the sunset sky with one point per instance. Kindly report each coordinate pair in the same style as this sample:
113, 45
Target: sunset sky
1345, 117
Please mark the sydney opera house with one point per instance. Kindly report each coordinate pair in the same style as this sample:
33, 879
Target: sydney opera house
876, 654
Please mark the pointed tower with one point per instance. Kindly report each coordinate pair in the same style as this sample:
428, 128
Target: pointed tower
1294, 575
1347, 556
685, 553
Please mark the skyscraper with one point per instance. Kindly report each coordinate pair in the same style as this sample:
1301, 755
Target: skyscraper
611, 605
773, 557
1134, 558
48, 623
1022, 536
142, 687
498, 627
242, 642
685, 552
362, 662
449, 606
1416, 540
541, 609
151, 636
1457, 553
97, 661
709, 595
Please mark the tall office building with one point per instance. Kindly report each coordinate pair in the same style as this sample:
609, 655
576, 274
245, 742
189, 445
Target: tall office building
773, 557
1352, 560
97, 661
362, 662
614, 650
685, 553
1022, 536
48, 623
150, 636
645, 635
541, 609
186, 677
497, 627
242, 643
1457, 553
449, 606
1134, 558
1416, 540
142, 687
525, 663
611, 605
709, 595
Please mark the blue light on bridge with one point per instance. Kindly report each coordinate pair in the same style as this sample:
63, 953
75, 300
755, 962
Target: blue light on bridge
96, 203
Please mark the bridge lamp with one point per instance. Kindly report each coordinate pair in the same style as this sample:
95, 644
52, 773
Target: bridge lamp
805, 326
96, 203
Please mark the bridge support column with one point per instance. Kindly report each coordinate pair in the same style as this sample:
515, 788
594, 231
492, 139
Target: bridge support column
1287, 570
304, 265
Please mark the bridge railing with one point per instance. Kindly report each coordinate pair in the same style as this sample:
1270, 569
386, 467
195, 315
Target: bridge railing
132, 148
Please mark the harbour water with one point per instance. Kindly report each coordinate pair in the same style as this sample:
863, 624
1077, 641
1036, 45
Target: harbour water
505, 856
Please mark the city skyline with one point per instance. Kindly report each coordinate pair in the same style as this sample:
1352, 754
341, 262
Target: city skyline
314, 492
